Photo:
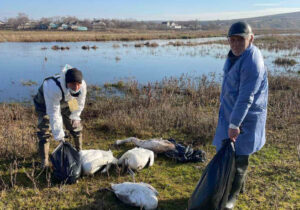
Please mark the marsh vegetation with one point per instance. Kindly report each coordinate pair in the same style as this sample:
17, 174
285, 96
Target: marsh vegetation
183, 108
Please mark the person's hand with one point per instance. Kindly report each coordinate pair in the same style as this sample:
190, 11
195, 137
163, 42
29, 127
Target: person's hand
75, 123
233, 133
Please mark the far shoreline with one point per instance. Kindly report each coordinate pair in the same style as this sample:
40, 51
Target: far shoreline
116, 35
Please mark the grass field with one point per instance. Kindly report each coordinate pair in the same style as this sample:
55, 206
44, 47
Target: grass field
114, 35
109, 35
185, 109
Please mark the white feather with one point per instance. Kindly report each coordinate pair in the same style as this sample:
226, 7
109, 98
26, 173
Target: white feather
136, 194
137, 158
93, 160
155, 145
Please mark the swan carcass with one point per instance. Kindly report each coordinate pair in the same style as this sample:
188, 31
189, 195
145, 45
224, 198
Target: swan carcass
136, 194
137, 158
93, 160
155, 145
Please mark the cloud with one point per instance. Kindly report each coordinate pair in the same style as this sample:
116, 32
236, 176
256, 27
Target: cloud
221, 15
267, 4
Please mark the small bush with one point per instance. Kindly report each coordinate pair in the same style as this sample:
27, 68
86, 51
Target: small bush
116, 46
139, 45
285, 62
55, 47
85, 47
94, 47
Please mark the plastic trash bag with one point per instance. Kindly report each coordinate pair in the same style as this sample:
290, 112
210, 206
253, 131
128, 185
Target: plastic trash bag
214, 186
66, 163
185, 154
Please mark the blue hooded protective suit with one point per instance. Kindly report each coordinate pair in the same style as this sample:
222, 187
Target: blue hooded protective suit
243, 102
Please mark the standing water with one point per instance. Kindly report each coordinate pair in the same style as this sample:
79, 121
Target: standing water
23, 66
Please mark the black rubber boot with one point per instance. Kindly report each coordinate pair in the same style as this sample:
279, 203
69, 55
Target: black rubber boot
242, 162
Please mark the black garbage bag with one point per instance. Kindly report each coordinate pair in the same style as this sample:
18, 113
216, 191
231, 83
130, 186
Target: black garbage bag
184, 154
213, 188
66, 163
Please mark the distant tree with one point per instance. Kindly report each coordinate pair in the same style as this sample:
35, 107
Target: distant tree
87, 23
21, 19
69, 20
45, 21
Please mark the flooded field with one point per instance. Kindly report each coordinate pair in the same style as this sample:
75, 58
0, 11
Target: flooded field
24, 65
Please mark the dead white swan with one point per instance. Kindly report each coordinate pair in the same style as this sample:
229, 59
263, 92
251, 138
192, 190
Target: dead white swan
94, 160
136, 194
155, 145
137, 158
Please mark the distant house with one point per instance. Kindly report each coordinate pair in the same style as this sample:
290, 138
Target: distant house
7, 26
53, 26
28, 26
177, 27
64, 27
72, 22
2, 24
82, 28
98, 26
79, 28
171, 25
74, 27
42, 27
167, 24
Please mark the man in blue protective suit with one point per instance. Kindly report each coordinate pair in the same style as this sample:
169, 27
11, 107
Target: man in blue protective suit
243, 102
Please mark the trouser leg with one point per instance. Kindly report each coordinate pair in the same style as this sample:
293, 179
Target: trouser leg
242, 162
44, 137
76, 132
77, 136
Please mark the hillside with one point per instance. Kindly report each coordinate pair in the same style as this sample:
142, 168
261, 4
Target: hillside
285, 21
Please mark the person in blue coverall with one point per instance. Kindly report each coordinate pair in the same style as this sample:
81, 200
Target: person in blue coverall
243, 102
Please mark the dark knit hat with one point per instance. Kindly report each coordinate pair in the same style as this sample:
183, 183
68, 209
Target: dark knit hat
73, 75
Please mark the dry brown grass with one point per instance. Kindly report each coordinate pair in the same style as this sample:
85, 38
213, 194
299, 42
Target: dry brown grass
17, 133
285, 62
183, 106
110, 35
277, 42
271, 42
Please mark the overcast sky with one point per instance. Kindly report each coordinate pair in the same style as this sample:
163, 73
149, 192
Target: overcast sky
147, 9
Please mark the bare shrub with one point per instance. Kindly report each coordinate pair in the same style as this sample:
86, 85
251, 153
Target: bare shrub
55, 47
32, 176
116, 46
94, 47
17, 131
285, 62
153, 44
13, 171
139, 45
173, 105
284, 101
85, 47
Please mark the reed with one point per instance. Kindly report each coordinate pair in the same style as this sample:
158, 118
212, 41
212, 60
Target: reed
184, 108
109, 35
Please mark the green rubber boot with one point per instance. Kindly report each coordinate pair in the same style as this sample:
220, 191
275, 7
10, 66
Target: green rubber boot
242, 162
